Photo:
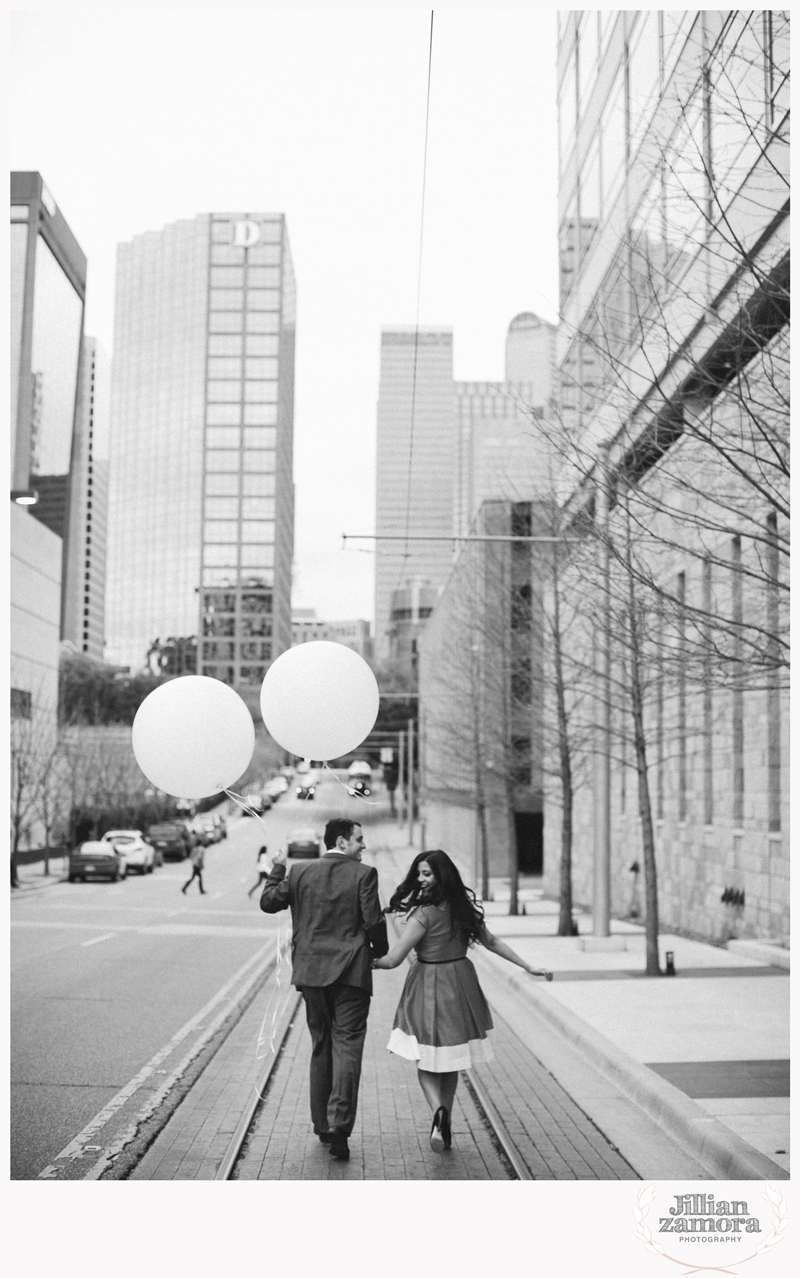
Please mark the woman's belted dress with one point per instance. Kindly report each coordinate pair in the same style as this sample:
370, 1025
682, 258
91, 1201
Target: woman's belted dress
442, 1018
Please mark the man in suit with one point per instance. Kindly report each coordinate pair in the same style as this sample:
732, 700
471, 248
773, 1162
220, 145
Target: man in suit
337, 930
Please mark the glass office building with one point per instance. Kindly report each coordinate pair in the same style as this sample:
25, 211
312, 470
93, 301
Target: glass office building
48, 284
48, 288
201, 493
414, 466
84, 605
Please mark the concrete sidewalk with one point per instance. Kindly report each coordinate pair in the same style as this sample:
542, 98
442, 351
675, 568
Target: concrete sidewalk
32, 877
706, 1050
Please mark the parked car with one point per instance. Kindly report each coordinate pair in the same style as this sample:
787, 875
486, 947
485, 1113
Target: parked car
139, 854
255, 803
172, 839
303, 843
276, 787
204, 831
97, 859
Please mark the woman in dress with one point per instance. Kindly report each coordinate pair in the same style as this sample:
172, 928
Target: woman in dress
261, 866
442, 1018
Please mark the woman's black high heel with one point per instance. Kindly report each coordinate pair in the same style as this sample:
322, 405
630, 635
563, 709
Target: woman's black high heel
447, 1135
437, 1133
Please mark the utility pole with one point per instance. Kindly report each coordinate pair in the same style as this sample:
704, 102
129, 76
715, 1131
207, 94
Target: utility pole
602, 772
400, 780
411, 782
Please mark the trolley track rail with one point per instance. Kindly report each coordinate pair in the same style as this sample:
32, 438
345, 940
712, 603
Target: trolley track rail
292, 1023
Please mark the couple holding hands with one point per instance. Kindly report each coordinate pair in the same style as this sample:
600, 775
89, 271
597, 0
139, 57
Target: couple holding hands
339, 936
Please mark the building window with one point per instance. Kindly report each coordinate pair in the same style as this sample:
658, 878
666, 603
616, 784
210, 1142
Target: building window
521, 760
257, 602
21, 704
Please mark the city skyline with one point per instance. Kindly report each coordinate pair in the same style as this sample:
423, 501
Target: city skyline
352, 200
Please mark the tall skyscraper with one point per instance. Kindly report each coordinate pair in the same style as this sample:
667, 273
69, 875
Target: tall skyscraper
502, 452
415, 470
84, 603
48, 284
471, 442
201, 492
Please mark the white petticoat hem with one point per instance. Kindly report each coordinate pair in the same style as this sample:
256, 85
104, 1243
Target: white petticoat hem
440, 1060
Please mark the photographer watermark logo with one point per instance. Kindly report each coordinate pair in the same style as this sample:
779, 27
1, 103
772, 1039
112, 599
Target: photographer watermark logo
697, 1226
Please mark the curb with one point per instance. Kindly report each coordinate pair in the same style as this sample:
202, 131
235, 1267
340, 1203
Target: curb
764, 951
724, 1153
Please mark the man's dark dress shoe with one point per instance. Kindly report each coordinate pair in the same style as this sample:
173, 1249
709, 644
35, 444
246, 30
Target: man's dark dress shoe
339, 1147
325, 1137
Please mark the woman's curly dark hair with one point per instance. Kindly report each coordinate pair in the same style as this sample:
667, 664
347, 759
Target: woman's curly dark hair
466, 911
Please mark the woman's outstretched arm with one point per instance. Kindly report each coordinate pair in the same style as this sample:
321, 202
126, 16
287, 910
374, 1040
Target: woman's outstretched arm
412, 934
497, 946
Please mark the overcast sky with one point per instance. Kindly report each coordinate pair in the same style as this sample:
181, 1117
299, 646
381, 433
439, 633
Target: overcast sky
138, 118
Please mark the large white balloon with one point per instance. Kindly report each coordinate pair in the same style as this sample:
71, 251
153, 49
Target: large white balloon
193, 736
319, 700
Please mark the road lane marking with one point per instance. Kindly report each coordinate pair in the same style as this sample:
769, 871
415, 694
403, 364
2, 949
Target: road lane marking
156, 929
97, 939
77, 1146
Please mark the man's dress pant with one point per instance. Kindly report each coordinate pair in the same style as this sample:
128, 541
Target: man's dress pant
337, 1022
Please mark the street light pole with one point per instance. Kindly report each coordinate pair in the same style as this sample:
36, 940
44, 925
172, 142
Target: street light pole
400, 780
411, 782
602, 772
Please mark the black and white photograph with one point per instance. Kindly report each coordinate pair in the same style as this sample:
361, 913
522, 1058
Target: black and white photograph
399, 557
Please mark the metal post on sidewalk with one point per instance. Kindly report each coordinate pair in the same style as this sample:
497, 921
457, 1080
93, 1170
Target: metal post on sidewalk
401, 784
602, 773
411, 782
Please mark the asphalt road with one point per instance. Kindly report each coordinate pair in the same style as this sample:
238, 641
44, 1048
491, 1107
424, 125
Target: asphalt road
104, 974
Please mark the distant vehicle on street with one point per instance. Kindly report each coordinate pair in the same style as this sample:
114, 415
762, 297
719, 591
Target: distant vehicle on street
306, 783
222, 826
359, 778
276, 787
303, 843
255, 802
96, 859
205, 831
185, 809
172, 839
139, 854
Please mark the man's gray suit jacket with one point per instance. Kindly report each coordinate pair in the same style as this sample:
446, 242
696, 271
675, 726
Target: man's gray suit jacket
337, 924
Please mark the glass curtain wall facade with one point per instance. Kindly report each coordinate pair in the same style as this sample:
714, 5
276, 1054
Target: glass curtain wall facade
84, 604
48, 288
202, 440
415, 470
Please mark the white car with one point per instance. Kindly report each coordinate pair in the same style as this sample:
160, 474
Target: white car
139, 854
276, 787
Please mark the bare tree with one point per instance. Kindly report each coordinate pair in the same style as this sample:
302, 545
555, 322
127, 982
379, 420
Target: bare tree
26, 773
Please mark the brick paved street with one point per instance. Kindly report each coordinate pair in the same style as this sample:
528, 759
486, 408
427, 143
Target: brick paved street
390, 1141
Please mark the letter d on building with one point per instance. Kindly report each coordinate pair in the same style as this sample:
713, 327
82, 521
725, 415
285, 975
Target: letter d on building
245, 234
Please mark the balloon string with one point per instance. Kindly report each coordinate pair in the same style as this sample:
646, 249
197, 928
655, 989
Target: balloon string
371, 803
237, 798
